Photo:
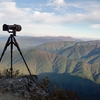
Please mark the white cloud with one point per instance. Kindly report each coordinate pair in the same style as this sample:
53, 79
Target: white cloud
42, 17
59, 2
96, 26
56, 3
48, 18
5, 0
86, 11
10, 13
52, 18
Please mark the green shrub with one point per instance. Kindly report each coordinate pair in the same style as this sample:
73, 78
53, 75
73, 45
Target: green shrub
44, 83
7, 73
61, 94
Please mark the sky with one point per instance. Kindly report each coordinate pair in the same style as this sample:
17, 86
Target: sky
75, 18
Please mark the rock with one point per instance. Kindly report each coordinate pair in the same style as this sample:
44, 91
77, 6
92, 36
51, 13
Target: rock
23, 86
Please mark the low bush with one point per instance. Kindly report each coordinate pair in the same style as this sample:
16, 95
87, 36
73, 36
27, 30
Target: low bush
7, 73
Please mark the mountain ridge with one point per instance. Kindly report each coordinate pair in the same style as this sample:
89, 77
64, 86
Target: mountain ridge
40, 61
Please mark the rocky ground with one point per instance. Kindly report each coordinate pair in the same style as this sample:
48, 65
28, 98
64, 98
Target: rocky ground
22, 88
8, 96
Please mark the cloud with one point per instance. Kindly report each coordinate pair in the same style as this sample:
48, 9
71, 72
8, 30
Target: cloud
5, 0
76, 12
59, 2
96, 26
56, 3
49, 18
52, 18
10, 12
42, 17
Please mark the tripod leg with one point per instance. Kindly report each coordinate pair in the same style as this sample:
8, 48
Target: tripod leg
11, 69
7, 44
16, 44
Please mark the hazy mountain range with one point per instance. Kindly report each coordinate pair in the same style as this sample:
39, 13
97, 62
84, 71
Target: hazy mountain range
71, 63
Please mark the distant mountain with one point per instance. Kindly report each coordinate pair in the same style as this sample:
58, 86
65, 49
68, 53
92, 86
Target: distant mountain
84, 51
41, 62
55, 46
76, 58
31, 42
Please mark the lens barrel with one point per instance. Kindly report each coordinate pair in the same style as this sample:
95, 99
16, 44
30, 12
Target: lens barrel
14, 27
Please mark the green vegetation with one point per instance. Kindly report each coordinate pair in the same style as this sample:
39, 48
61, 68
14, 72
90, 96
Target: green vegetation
7, 73
61, 94
56, 93
44, 83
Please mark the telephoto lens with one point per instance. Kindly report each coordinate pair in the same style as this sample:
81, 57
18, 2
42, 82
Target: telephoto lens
14, 27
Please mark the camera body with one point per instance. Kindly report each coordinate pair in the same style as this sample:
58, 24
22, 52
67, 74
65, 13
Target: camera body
14, 28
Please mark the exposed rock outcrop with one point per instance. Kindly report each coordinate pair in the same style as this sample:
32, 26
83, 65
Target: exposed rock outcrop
23, 87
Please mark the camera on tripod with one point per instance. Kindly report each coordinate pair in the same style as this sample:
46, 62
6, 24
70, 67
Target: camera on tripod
12, 41
14, 28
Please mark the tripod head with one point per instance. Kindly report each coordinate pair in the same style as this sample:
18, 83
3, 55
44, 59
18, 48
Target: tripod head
12, 28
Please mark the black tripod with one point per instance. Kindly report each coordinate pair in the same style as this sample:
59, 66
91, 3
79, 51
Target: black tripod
12, 41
